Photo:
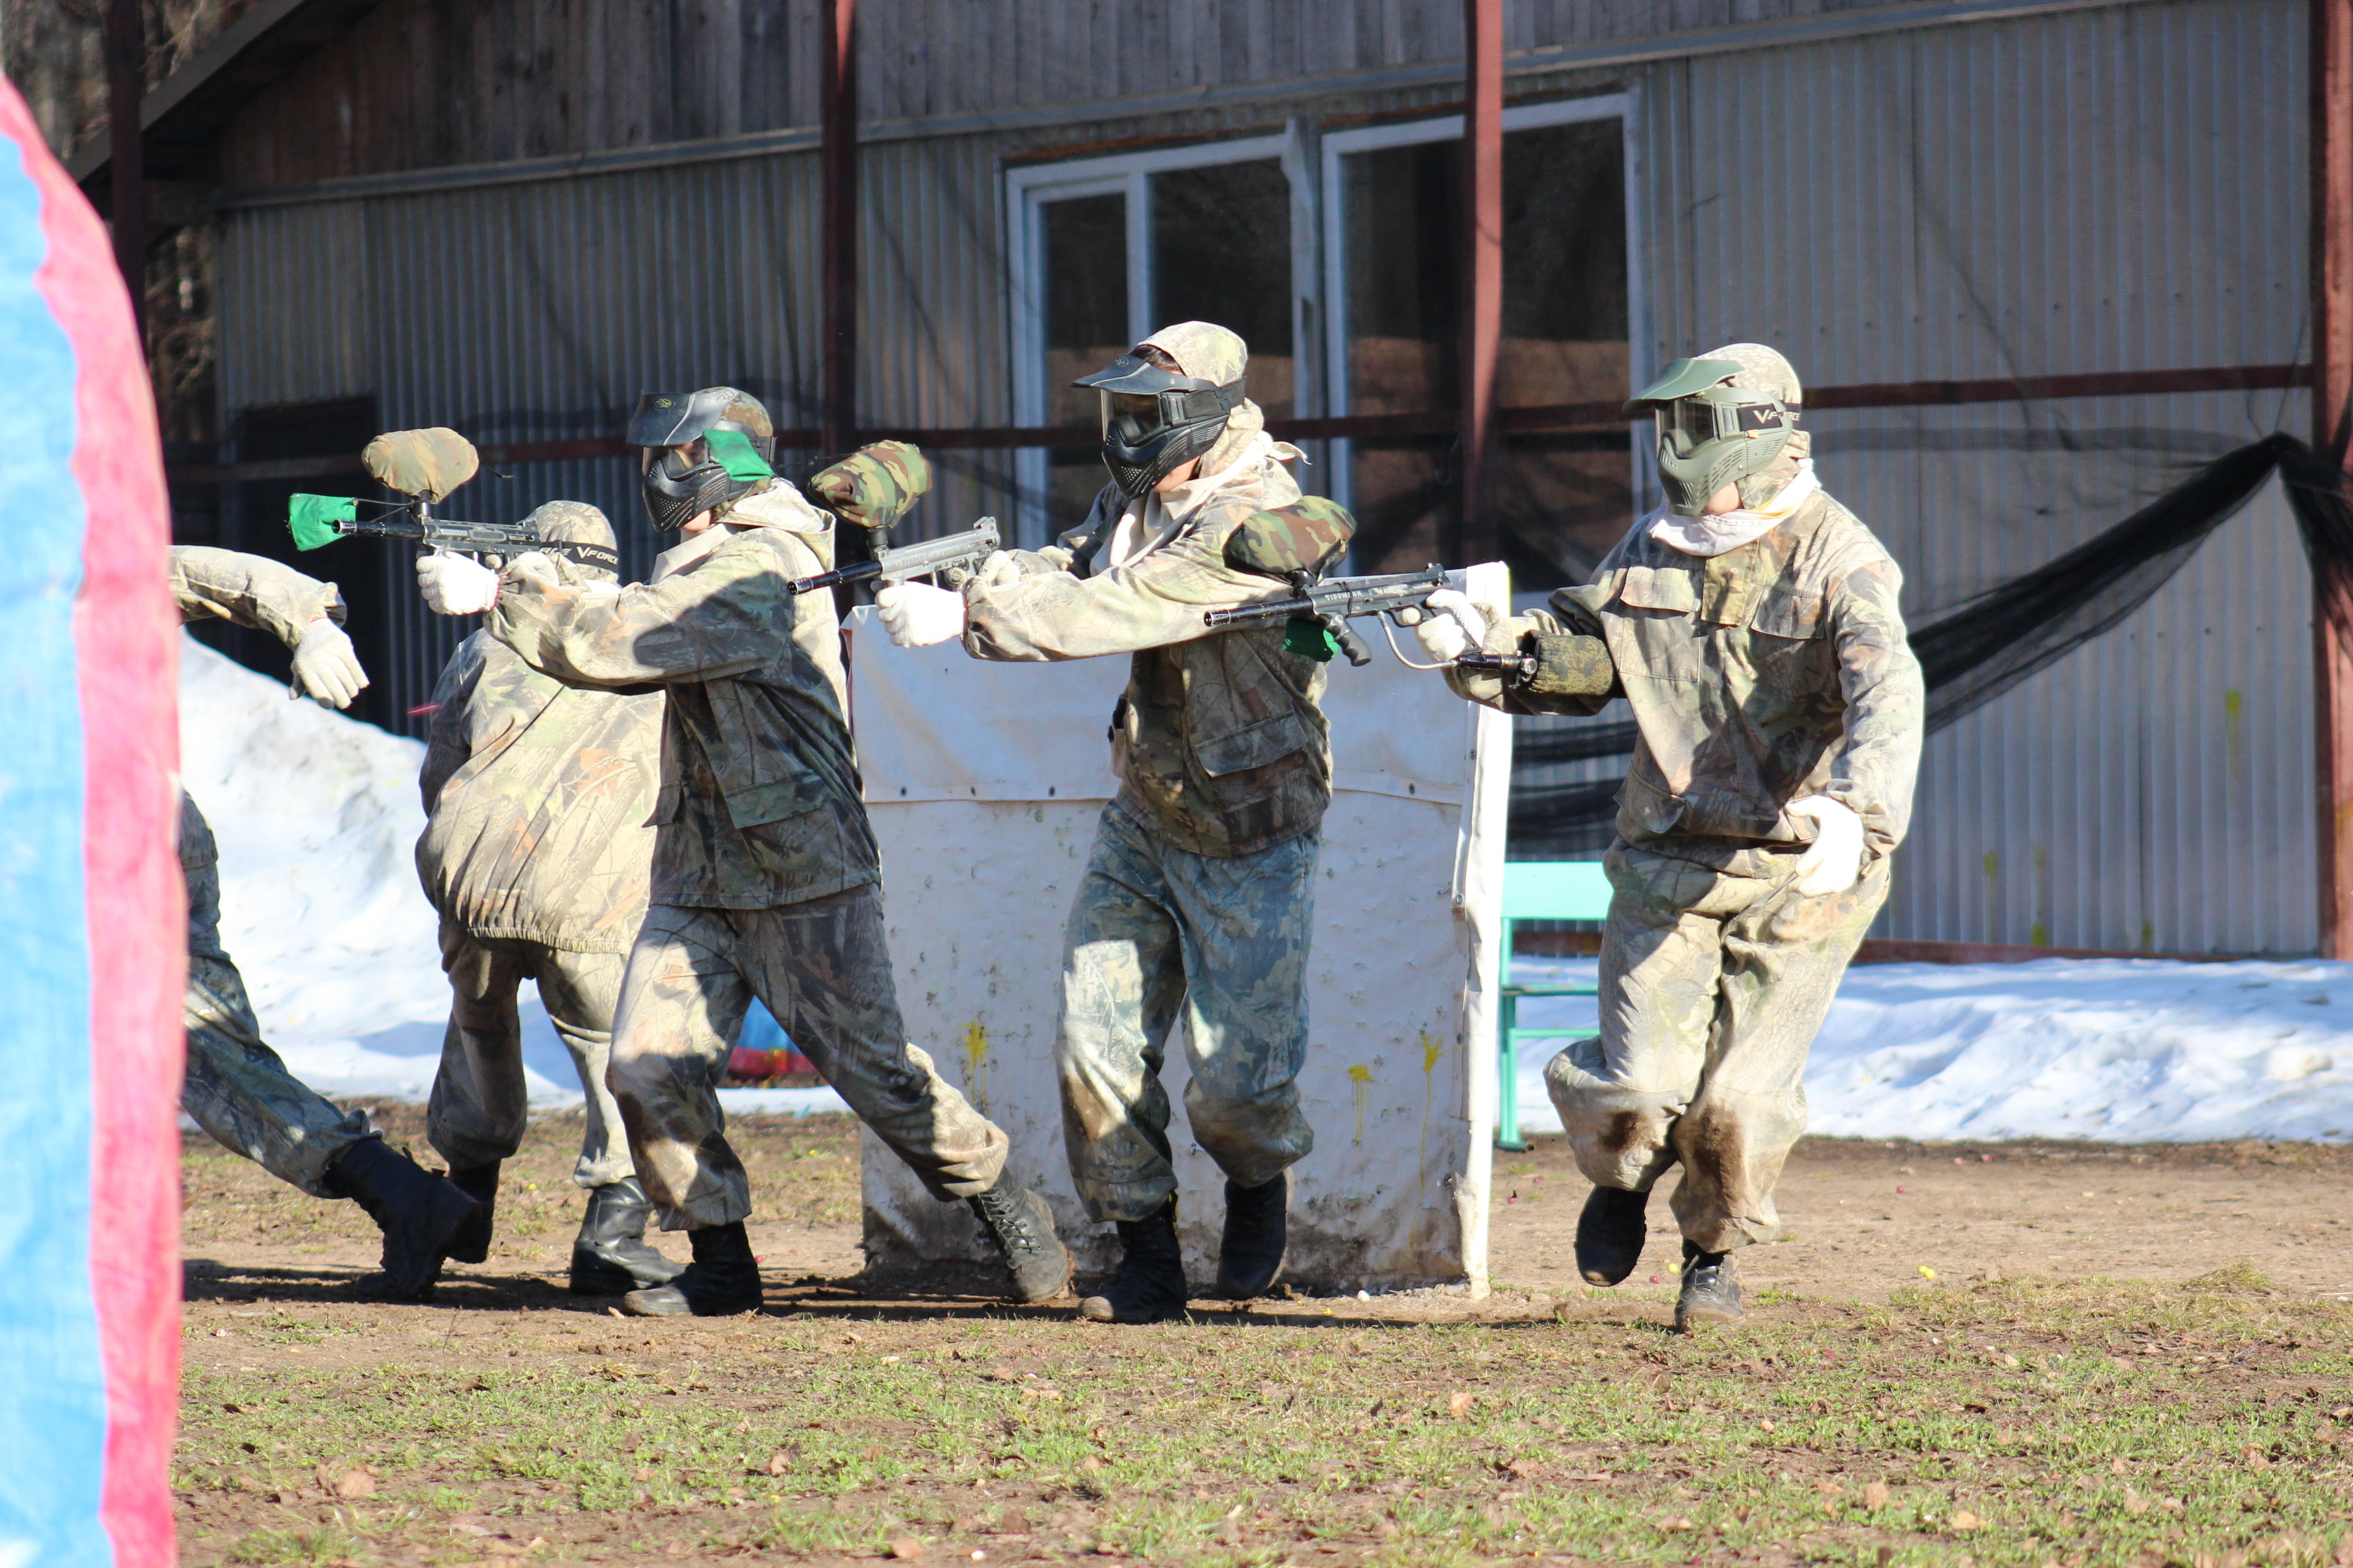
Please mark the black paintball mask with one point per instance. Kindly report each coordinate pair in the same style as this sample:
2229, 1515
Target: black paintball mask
1155, 420
701, 451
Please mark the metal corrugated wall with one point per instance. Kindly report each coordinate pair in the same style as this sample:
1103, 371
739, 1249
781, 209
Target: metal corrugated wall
2102, 190
2106, 190
537, 310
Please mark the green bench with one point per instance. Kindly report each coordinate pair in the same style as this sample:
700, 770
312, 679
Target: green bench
1538, 890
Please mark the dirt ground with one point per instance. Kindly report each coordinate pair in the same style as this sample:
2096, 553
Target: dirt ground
507, 1420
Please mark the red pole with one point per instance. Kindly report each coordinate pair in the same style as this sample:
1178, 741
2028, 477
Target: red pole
126, 60
837, 109
2332, 422
1483, 316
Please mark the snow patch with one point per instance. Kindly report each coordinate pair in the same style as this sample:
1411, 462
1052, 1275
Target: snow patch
2125, 1050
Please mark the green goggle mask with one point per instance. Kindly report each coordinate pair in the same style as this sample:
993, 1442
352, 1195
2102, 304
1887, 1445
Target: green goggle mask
1710, 434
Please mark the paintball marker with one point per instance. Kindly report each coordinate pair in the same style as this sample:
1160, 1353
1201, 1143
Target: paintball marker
316, 521
1334, 601
958, 552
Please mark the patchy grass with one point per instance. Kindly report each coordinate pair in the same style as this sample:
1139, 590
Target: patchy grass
2020, 1422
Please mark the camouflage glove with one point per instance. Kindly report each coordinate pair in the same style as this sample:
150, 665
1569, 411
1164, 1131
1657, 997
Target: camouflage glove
874, 486
428, 463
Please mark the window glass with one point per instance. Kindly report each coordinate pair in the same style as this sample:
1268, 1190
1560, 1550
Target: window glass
1221, 252
1563, 496
1086, 329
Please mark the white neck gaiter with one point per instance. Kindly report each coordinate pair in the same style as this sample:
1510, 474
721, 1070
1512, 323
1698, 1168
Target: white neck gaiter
1728, 531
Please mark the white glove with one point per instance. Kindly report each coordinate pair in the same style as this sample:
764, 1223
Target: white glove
325, 667
1452, 627
455, 585
917, 615
1833, 862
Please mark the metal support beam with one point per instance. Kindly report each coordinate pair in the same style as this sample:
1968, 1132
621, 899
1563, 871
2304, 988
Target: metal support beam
126, 60
1483, 271
2331, 219
837, 109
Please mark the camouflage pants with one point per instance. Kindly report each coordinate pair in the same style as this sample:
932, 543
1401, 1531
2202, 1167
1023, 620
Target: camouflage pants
1713, 985
1154, 932
236, 1088
480, 1105
821, 967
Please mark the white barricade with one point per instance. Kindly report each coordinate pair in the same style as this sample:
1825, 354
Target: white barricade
984, 782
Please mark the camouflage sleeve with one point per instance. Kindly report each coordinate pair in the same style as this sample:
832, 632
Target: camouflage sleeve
447, 745
1153, 600
729, 615
1886, 702
251, 590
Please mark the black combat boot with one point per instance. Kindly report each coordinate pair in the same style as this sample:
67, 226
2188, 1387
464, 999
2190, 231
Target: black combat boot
1711, 1292
1257, 1221
480, 1182
1609, 1233
1023, 1227
609, 1257
1148, 1287
723, 1280
418, 1213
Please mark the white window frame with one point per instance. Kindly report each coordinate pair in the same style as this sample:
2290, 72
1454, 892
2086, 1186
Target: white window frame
1028, 190
1618, 106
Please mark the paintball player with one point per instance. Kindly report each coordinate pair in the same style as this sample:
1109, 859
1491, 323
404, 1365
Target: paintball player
1752, 625
237, 1088
539, 853
1199, 891
766, 875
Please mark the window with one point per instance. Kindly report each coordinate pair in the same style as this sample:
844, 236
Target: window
1109, 248
1393, 196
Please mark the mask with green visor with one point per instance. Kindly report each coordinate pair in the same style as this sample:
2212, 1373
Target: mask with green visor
1721, 417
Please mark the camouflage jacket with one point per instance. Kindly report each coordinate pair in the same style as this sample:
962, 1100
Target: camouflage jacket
251, 590
1771, 672
1218, 742
540, 800
759, 802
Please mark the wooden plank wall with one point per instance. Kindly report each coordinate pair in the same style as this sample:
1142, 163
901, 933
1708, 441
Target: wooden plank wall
429, 83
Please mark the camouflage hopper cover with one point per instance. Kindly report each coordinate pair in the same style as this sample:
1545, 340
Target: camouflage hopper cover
1309, 535
428, 463
875, 486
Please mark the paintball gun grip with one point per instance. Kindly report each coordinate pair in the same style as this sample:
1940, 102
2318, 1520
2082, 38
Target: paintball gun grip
1350, 643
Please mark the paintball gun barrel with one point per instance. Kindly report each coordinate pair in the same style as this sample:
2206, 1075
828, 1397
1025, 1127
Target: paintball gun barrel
1333, 602
317, 521
957, 553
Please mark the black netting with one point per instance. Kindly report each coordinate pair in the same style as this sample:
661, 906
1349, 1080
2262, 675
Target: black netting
1983, 647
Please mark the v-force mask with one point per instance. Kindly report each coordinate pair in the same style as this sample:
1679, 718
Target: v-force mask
701, 451
1155, 420
1720, 419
